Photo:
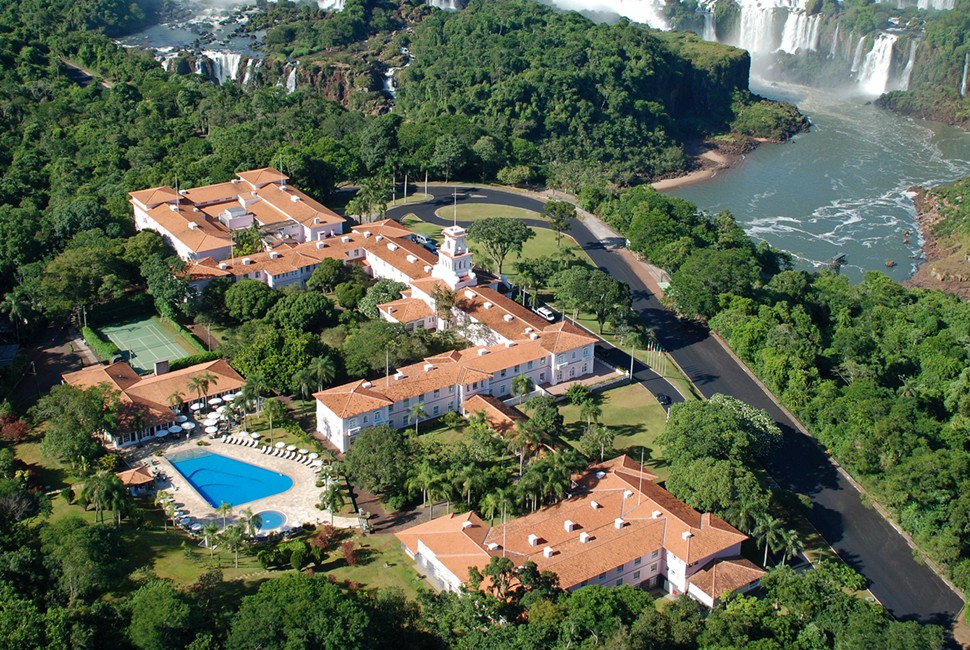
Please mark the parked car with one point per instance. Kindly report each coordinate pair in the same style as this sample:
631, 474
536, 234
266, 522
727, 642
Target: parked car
422, 239
430, 247
546, 313
663, 399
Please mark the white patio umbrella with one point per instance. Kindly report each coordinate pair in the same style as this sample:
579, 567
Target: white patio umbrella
303, 452
317, 463
280, 445
212, 429
314, 455
215, 400
196, 407
188, 426
222, 409
174, 429
291, 448
255, 436
182, 418
196, 527
210, 422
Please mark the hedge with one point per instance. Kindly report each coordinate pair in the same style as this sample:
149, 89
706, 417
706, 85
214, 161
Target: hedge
102, 347
193, 359
122, 309
196, 343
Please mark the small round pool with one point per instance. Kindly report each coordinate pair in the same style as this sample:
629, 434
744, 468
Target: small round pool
271, 520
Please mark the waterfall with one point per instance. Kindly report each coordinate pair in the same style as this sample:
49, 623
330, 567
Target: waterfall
908, 70
291, 80
247, 76
200, 66
447, 5
756, 34
330, 5
835, 42
800, 33
874, 75
963, 83
389, 86
225, 65
857, 57
710, 33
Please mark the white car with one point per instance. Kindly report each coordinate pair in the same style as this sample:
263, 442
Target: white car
546, 313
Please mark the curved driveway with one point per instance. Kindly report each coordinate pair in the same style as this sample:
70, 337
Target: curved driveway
862, 537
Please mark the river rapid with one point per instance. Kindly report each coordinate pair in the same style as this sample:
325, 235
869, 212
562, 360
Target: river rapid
840, 189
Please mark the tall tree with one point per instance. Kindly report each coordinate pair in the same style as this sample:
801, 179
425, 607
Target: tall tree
559, 214
499, 236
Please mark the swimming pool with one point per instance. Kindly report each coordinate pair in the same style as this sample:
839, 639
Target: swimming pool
219, 479
271, 519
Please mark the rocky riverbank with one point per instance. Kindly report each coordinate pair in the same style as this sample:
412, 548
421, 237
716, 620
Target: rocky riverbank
946, 262
710, 157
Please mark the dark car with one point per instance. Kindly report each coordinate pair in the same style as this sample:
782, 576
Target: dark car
663, 399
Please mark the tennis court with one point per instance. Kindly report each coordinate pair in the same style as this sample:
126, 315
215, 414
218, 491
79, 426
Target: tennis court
146, 341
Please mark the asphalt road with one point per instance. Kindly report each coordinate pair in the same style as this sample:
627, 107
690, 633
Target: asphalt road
862, 537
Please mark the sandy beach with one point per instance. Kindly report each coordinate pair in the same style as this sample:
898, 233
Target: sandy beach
710, 159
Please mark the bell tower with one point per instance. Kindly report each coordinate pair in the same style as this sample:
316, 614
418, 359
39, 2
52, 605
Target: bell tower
454, 265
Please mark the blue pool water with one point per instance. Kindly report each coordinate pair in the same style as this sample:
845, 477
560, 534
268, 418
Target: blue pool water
271, 519
220, 479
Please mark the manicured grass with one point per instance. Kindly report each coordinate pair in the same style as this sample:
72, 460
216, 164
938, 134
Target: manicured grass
439, 432
636, 417
543, 244
51, 473
384, 566
417, 197
473, 211
422, 227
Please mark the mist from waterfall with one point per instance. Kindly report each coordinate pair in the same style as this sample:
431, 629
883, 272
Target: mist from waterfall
873, 76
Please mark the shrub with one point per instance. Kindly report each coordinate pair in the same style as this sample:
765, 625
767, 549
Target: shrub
15, 431
297, 558
101, 346
452, 419
189, 336
349, 549
194, 359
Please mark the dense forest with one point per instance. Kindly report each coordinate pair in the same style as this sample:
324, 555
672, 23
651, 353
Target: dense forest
878, 373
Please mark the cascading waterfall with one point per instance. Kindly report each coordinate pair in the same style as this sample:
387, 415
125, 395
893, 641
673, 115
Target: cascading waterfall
447, 5
800, 33
710, 31
925, 5
389, 86
649, 12
835, 42
908, 70
857, 56
963, 82
330, 5
291, 80
248, 75
756, 34
225, 65
874, 74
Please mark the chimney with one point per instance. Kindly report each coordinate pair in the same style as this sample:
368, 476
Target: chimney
594, 505
412, 259
618, 523
508, 318
398, 376
686, 535
528, 330
321, 244
470, 295
657, 514
294, 198
533, 540
345, 239
367, 234
274, 255
584, 538
391, 246
488, 305
548, 551
247, 261
510, 344
568, 526
627, 494
533, 336
482, 352
223, 266
492, 546
467, 524
316, 221
367, 384
193, 225
428, 367
161, 367
379, 238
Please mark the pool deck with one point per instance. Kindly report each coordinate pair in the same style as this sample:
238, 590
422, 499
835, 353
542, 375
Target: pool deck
298, 503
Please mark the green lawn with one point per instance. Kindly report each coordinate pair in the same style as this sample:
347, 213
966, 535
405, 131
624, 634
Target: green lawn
473, 211
417, 197
440, 432
384, 565
636, 417
51, 473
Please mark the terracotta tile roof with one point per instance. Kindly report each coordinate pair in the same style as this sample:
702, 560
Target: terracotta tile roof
503, 355
404, 255
456, 540
260, 177
194, 229
154, 196
561, 337
407, 310
221, 193
296, 205
138, 476
283, 259
352, 399
385, 227
501, 417
651, 521
428, 285
149, 395
725, 575
425, 377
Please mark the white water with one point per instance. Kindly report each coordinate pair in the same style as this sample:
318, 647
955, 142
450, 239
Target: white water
447, 5
330, 5
248, 75
291, 80
225, 65
842, 188
963, 83
874, 74
908, 70
938, 5
857, 56
710, 32
757, 31
835, 42
800, 33
389, 86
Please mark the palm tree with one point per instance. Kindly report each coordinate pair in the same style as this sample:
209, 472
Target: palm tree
470, 479
424, 477
522, 386
224, 509
201, 383
322, 370
332, 499
254, 389
302, 383
210, 532
274, 409
176, 399
233, 537
416, 412
769, 529
791, 545
522, 440
496, 502
106, 492
161, 502
590, 410
170, 509
252, 521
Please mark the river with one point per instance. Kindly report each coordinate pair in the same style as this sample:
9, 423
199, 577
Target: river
841, 188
